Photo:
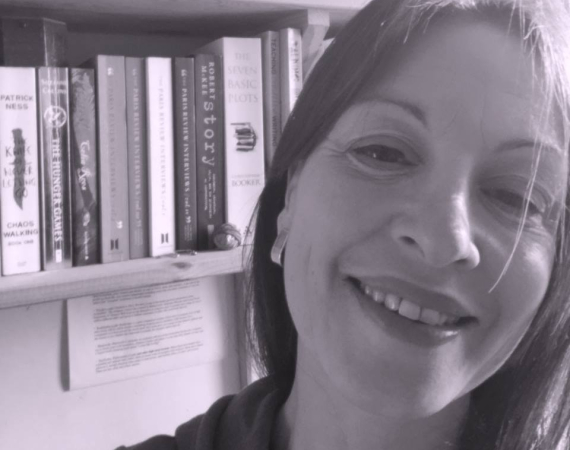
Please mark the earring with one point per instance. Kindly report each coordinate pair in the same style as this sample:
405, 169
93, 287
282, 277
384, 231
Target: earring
278, 247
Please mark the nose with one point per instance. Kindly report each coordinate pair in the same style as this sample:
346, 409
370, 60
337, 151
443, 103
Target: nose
438, 231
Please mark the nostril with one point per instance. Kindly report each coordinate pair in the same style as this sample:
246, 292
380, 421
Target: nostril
407, 240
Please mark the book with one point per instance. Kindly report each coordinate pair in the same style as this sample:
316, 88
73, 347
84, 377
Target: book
84, 169
113, 169
271, 93
210, 171
291, 53
19, 172
32, 42
243, 123
185, 154
55, 200
160, 140
137, 157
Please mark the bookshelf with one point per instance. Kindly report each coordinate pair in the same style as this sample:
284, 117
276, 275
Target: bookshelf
169, 27
27, 289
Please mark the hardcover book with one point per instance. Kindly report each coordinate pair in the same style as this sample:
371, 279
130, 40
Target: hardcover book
271, 92
243, 112
291, 70
185, 154
160, 155
19, 172
84, 170
53, 97
113, 171
210, 172
137, 157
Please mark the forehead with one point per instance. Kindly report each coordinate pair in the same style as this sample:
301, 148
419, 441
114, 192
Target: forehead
465, 65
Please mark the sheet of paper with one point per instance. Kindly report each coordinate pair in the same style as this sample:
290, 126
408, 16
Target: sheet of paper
140, 331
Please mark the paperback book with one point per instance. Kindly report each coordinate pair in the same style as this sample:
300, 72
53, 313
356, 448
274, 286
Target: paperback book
243, 123
84, 170
271, 93
19, 172
210, 173
137, 157
185, 154
53, 96
113, 168
291, 53
160, 155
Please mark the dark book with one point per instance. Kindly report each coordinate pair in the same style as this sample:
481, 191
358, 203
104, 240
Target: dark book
185, 154
32, 42
84, 170
137, 157
209, 147
112, 151
53, 124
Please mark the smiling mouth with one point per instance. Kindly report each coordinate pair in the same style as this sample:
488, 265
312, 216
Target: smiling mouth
410, 310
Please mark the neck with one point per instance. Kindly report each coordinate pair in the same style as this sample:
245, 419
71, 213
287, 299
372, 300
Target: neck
317, 416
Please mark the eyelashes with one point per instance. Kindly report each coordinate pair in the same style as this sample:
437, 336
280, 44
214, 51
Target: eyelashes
382, 154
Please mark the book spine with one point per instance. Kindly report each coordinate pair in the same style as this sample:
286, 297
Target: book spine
291, 70
185, 154
113, 172
271, 93
137, 157
53, 96
19, 172
243, 118
160, 155
84, 170
210, 172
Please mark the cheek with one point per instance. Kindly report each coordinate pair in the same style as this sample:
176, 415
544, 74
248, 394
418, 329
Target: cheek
323, 223
513, 304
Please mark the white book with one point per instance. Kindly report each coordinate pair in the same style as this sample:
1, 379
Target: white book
243, 124
291, 53
271, 92
160, 140
19, 168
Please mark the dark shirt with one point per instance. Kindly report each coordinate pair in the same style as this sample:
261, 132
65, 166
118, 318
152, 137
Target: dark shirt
236, 422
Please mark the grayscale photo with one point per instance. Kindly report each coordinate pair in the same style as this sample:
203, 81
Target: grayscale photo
285, 224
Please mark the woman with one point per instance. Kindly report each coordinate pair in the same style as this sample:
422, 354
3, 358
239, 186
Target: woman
416, 297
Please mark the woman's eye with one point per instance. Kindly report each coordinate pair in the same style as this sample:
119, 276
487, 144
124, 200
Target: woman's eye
514, 202
383, 153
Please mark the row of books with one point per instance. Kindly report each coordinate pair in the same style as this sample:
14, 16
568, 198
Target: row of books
128, 157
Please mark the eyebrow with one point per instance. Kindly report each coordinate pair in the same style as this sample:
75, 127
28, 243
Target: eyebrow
414, 110
418, 113
534, 144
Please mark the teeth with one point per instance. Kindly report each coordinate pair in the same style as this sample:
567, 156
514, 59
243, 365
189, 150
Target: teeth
430, 317
408, 309
392, 302
378, 296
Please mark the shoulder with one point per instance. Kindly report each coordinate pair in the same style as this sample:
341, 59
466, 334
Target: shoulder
241, 421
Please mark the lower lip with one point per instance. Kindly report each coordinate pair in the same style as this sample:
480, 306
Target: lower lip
413, 332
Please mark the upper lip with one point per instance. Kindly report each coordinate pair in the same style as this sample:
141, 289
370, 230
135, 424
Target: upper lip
437, 300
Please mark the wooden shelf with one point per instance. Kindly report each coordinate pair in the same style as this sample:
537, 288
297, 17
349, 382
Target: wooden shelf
26, 289
205, 18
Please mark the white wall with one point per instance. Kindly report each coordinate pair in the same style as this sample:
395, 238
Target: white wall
38, 411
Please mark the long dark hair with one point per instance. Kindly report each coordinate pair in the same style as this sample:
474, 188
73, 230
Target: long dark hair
524, 405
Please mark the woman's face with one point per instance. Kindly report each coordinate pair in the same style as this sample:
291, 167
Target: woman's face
403, 219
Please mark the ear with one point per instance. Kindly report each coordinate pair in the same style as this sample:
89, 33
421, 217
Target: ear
286, 215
